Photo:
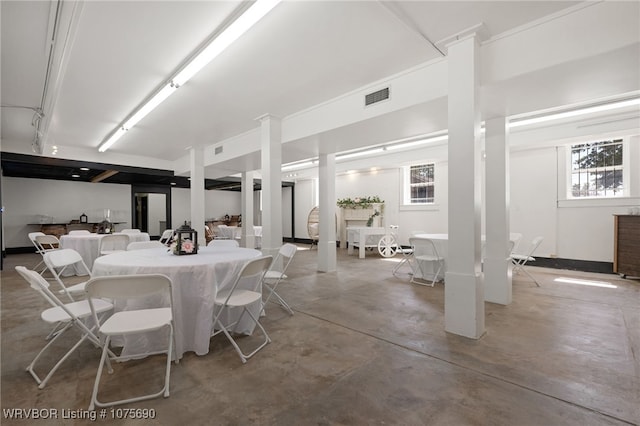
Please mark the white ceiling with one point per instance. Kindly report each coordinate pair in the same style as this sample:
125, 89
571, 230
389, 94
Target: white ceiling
301, 54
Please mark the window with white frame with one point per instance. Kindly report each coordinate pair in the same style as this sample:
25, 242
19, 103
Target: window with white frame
597, 169
419, 185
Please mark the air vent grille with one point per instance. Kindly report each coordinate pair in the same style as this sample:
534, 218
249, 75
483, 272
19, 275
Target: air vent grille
218, 150
375, 97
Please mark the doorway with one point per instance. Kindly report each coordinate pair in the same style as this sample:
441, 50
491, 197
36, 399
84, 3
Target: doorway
151, 209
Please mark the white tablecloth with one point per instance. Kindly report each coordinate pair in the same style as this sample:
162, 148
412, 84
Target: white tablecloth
196, 280
88, 245
363, 237
235, 232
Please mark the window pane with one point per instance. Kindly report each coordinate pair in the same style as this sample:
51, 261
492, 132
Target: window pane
597, 169
420, 180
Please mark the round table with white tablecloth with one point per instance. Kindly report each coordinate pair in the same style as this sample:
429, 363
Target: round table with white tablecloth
196, 279
88, 245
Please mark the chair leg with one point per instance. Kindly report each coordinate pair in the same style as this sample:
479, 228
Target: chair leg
244, 357
105, 360
281, 301
31, 367
531, 276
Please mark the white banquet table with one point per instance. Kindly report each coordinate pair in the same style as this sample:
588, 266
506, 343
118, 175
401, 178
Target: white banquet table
88, 245
195, 278
363, 237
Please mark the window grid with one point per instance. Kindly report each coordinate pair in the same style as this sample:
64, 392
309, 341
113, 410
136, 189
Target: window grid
421, 184
597, 169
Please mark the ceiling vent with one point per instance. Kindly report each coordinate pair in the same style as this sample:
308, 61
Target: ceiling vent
379, 96
218, 150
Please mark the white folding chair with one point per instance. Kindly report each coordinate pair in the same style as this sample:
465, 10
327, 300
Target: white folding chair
223, 243
113, 243
273, 276
242, 298
39, 249
59, 261
140, 245
425, 253
166, 236
79, 232
520, 260
61, 315
127, 287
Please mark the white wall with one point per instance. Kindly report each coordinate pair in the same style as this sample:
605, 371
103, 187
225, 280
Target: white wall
216, 205
25, 200
157, 210
581, 230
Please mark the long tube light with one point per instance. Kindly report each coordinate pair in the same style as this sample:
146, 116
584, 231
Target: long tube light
230, 34
575, 112
256, 12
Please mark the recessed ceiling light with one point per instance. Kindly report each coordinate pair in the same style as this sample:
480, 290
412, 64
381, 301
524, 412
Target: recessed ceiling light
85, 169
75, 176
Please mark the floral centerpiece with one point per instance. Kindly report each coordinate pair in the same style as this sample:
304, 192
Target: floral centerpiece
186, 241
359, 202
185, 247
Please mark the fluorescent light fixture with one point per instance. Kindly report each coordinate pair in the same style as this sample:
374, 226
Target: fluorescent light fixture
413, 144
230, 34
112, 139
256, 12
575, 112
359, 153
149, 106
585, 282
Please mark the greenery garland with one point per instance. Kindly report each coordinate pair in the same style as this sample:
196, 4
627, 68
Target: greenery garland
358, 202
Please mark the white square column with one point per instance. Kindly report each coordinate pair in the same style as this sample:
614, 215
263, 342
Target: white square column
196, 161
464, 292
327, 256
497, 265
247, 238
271, 161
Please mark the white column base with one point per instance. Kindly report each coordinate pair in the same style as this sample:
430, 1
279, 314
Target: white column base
497, 281
464, 304
327, 258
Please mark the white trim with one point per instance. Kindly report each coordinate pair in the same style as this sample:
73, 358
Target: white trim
600, 202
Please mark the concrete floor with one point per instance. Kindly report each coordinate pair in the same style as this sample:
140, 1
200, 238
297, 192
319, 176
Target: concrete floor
365, 348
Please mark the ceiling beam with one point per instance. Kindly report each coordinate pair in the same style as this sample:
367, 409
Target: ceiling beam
104, 175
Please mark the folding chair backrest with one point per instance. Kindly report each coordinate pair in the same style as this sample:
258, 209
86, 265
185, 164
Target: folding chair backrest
48, 242
39, 284
423, 247
128, 286
57, 259
79, 232
166, 236
286, 253
114, 242
130, 231
32, 237
534, 245
253, 268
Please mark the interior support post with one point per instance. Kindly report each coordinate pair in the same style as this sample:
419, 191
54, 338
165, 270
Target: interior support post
197, 193
464, 292
497, 264
327, 256
247, 238
271, 161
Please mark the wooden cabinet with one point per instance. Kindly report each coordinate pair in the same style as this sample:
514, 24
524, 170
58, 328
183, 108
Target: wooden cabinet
626, 254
